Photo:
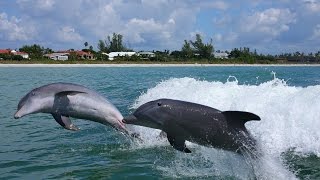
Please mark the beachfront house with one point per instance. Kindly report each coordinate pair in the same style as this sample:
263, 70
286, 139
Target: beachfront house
58, 56
24, 55
221, 55
14, 52
85, 55
146, 54
79, 54
4, 51
113, 55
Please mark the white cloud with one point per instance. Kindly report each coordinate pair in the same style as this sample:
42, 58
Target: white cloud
171, 21
312, 5
159, 24
271, 22
138, 30
37, 4
222, 21
100, 21
217, 37
154, 3
222, 5
144, 24
316, 33
68, 34
184, 19
230, 37
15, 29
46, 4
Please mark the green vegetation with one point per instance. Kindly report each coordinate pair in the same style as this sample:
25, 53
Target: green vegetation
191, 52
35, 51
11, 57
244, 55
113, 44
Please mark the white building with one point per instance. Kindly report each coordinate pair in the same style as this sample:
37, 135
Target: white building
58, 56
23, 54
146, 54
112, 55
221, 55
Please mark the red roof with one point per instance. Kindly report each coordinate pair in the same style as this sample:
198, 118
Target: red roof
4, 51
79, 53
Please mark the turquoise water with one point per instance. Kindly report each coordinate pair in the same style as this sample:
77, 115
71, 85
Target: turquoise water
286, 98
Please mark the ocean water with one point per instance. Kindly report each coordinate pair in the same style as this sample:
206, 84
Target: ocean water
286, 99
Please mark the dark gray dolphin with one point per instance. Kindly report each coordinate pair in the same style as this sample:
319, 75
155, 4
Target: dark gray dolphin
64, 100
196, 123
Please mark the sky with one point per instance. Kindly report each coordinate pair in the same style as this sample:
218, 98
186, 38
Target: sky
270, 27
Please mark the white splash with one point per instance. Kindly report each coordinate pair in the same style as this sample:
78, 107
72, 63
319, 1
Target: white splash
289, 120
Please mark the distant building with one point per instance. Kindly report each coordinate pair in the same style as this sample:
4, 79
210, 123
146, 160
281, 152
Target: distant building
146, 55
221, 55
112, 55
80, 54
58, 56
4, 51
85, 55
14, 52
23, 54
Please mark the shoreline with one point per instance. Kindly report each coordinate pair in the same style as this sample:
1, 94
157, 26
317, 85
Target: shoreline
156, 65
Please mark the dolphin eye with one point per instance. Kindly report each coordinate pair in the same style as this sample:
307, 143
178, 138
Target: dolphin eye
33, 93
159, 104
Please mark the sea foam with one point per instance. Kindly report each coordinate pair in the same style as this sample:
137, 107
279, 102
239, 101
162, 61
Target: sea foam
289, 118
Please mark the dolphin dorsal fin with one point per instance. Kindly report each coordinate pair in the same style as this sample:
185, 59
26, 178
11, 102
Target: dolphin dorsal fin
239, 118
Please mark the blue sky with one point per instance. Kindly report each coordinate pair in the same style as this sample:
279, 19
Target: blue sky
273, 26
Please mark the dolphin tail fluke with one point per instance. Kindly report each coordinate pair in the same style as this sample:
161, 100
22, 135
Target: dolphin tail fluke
178, 143
239, 118
65, 122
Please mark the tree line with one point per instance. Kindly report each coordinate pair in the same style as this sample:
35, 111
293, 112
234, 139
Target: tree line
191, 50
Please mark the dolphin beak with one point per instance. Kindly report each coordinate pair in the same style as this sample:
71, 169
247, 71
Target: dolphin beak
131, 119
16, 115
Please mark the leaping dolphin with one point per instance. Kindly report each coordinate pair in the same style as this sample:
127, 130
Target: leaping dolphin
64, 100
196, 123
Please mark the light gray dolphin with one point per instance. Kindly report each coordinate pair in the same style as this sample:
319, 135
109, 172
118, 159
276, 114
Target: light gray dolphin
64, 100
196, 123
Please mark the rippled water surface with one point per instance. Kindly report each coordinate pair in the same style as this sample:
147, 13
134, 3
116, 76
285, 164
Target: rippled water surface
286, 99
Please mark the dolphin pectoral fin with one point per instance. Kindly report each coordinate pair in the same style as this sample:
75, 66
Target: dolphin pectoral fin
65, 122
178, 143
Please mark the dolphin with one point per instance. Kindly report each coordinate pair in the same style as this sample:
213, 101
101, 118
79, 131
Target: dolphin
64, 100
196, 123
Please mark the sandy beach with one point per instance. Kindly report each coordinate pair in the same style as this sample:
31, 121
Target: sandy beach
147, 65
